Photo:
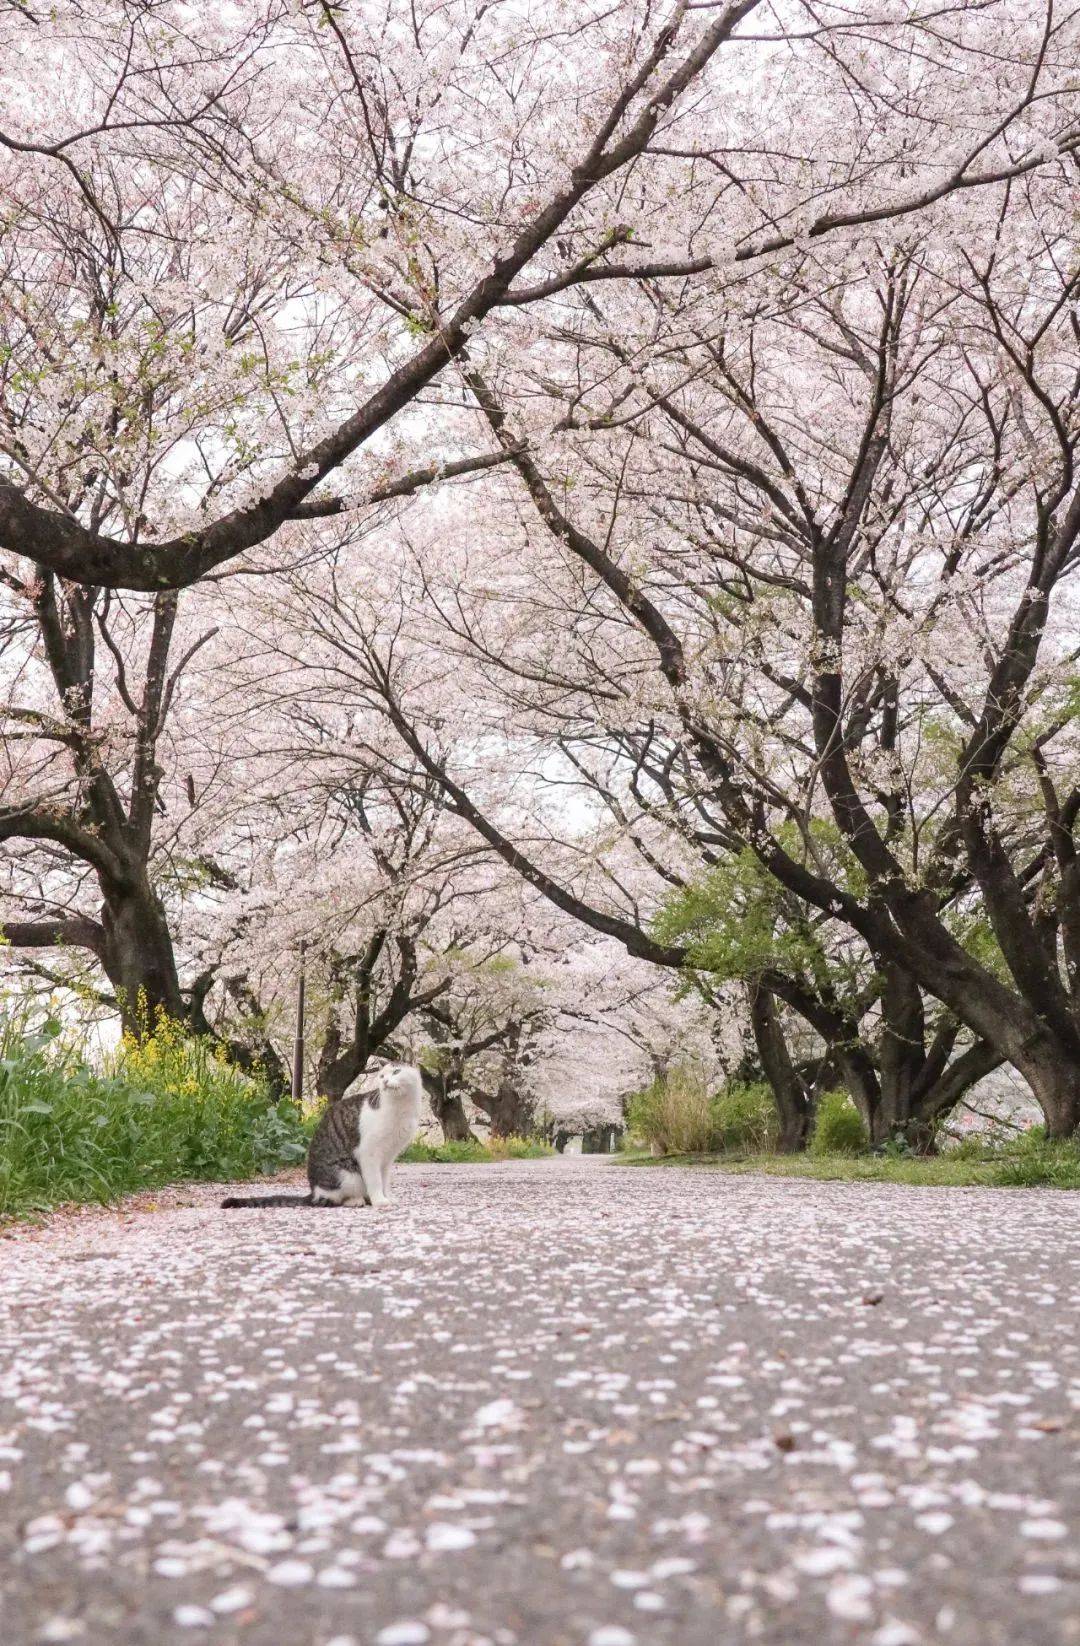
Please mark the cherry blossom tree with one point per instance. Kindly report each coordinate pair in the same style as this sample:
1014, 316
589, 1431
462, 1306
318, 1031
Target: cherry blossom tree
308, 214
93, 802
626, 457
942, 498
965, 512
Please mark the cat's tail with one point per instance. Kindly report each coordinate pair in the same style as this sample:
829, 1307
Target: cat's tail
232, 1201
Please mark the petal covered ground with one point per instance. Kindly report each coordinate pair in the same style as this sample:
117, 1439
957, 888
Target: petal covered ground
554, 1403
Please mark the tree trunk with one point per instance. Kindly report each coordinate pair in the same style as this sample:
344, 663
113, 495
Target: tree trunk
450, 1113
139, 960
902, 1056
444, 1095
920, 1086
793, 1104
1048, 1061
1033, 1025
255, 1055
1046, 1057
1054, 1079
603, 1139
510, 1111
453, 1120
334, 1075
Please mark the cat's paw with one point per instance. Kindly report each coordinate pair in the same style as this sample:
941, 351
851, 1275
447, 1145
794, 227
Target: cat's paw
381, 1205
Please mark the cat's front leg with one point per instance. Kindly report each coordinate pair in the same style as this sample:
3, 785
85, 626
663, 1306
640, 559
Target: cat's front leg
371, 1170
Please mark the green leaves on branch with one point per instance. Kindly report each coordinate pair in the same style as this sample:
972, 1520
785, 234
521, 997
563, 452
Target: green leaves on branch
737, 922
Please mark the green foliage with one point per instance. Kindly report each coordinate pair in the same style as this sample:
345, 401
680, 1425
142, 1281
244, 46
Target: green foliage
974, 931
447, 1154
674, 1114
1031, 1162
943, 738
161, 1111
727, 920
898, 1145
735, 921
477, 1153
744, 1118
677, 1114
1023, 1164
838, 1127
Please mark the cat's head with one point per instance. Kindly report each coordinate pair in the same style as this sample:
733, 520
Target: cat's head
398, 1081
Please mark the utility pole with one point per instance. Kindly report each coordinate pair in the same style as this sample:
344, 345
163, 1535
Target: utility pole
298, 1043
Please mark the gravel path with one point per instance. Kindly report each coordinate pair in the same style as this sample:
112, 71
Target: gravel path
556, 1403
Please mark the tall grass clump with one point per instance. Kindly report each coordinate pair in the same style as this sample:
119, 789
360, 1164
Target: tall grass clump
673, 1115
159, 1110
838, 1126
1026, 1161
1030, 1162
680, 1114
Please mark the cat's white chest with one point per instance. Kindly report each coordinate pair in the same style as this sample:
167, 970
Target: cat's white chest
389, 1128
388, 1122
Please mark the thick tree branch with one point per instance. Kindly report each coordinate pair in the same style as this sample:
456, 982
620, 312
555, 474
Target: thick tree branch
62, 544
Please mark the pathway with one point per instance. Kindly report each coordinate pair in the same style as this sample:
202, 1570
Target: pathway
556, 1403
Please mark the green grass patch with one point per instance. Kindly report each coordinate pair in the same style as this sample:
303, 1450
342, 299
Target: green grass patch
1034, 1164
475, 1153
164, 1110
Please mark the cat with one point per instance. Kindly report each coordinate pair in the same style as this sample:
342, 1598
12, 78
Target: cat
355, 1144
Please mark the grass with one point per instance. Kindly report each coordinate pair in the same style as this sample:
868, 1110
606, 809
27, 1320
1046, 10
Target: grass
1025, 1164
679, 1113
164, 1110
468, 1154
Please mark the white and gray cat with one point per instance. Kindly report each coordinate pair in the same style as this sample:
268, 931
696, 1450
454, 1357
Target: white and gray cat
355, 1144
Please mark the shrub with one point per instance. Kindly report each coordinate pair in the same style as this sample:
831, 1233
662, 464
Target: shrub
447, 1154
744, 1118
160, 1111
519, 1148
677, 1114
1053, 1166
975, 1146
838, 1126
674, 1114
